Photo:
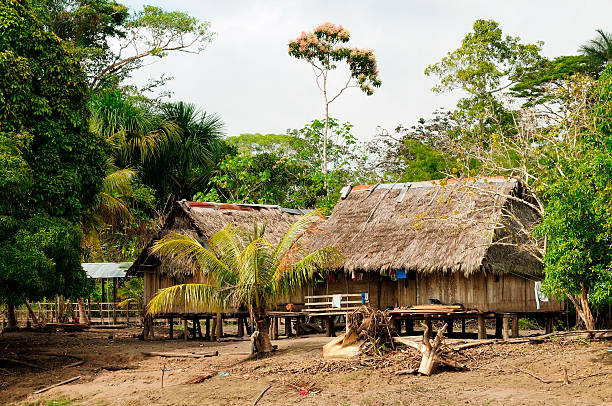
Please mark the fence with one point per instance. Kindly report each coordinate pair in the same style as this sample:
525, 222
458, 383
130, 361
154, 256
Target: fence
98, 312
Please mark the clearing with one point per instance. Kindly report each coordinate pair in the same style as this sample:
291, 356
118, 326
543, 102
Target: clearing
115, 372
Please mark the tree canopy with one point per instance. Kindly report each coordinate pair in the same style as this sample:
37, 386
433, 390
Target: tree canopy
54, 162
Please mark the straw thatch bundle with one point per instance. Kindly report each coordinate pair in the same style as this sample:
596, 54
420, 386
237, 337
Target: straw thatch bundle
454, 226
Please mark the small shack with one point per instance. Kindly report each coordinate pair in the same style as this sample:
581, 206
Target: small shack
463, 242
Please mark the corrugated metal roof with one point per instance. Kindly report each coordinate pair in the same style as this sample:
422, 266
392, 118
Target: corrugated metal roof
244, 207
97, 270
427, 183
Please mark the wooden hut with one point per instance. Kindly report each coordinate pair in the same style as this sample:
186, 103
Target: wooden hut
453, 242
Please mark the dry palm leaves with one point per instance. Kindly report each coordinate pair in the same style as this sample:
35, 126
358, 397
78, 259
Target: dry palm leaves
374, 327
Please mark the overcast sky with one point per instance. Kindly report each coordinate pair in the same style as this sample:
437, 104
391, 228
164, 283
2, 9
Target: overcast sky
246, 76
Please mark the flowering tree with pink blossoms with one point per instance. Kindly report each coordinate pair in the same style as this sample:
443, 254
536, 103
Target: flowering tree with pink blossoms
324, 48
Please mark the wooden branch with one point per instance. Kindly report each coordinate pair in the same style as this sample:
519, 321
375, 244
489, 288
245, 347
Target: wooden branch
261, 395
76, 378
179, 355
535, 376
407, 343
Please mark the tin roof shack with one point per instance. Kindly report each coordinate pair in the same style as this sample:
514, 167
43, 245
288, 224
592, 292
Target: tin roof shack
202, 220
458, 241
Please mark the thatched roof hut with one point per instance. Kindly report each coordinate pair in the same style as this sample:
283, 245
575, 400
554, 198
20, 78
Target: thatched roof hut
203, 219
465, 225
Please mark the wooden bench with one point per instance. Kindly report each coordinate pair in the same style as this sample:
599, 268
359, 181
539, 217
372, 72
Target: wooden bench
321, 306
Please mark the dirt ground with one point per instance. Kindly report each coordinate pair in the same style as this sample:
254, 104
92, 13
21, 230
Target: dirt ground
115, 372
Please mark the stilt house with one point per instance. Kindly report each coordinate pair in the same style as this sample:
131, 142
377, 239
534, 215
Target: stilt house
202, 220
457, 241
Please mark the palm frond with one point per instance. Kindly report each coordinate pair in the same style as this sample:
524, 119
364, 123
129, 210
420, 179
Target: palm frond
189, 297
191, 253
300, 273
291, 236
119, 181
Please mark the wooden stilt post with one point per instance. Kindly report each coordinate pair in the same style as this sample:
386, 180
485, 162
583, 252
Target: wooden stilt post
199, 327
428, 322
288, 331
219, 327
398, 326
240, 326
482, 329
207, 337
449, 329
185, 328
274, 328
463, 326
549, 324
498, 326
515, 327
409, 326
171, 322
298, 326
505, 330
330, 329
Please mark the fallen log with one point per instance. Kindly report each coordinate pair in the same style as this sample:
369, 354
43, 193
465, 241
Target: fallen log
410, 371
199, 379
20, 362
75, 364
76, 378
487, 342
179, 355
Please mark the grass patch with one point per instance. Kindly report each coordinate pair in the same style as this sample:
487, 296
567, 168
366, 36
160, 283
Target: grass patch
61, 401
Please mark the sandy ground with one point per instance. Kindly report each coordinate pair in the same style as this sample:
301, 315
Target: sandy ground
116, 372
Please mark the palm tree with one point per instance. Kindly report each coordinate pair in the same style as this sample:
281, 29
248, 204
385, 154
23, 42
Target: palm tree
184, 164
599, 49
242, 269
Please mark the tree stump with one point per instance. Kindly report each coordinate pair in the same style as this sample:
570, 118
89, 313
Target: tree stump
429, 349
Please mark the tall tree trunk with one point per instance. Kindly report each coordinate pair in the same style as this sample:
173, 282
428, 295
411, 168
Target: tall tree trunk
32, 314
263, 343
581, 303
11, 317
325, 144
83, 319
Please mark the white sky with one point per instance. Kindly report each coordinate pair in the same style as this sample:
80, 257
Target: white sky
248, 78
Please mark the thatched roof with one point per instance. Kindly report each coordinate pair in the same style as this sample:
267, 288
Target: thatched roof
453, 225
203, 219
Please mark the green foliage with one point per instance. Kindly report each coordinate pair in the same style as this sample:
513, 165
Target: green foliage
598, 50
111, 43
152, 33
40, 257
578, 224
87, 26
486, 63
536, 81
577, 218
183, 165
132, 292
288, 173
55, 162
257, 143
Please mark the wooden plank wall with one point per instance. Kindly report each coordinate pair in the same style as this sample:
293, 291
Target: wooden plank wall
504, 293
